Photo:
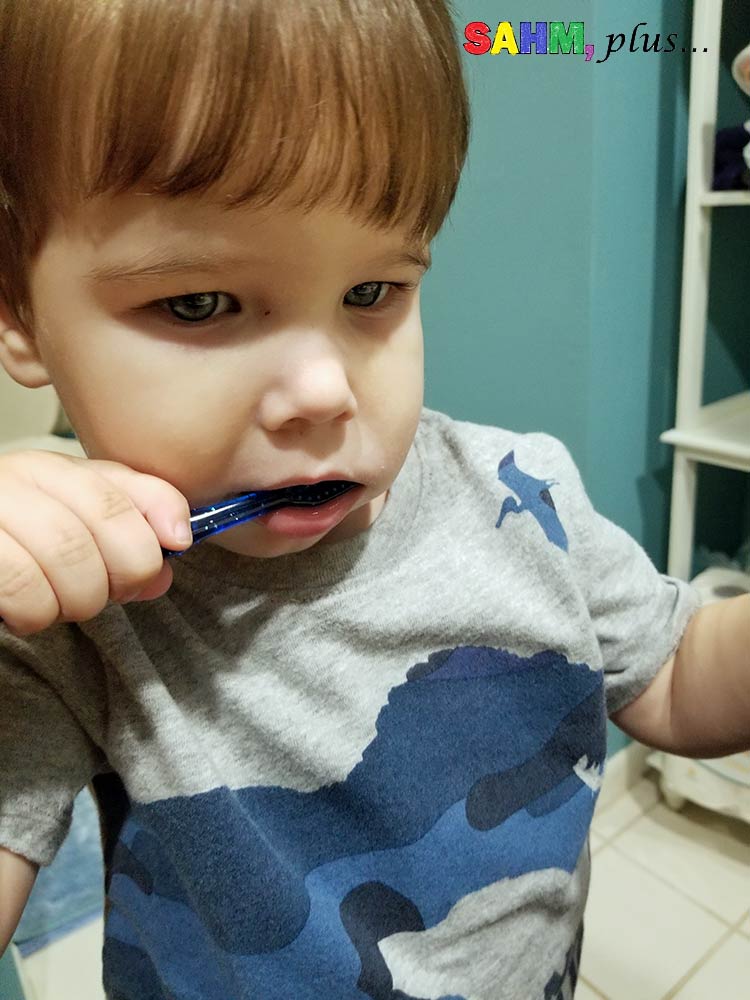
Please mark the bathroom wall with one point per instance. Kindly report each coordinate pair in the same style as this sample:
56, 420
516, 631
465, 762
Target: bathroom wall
25, 412
553, 300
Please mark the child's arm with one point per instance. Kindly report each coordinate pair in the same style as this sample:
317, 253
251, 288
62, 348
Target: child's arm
17, 877
698, 705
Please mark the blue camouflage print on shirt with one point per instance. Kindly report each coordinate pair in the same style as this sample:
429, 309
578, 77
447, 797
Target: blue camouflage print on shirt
473, 776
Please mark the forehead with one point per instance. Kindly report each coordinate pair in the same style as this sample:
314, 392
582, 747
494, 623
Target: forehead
106, 217
135, 236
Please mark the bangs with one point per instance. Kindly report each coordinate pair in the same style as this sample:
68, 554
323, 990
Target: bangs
359, 105
350, 104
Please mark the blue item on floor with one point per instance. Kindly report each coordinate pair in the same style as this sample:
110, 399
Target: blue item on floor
69, 892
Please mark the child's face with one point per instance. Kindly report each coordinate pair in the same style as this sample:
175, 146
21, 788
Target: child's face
274, 368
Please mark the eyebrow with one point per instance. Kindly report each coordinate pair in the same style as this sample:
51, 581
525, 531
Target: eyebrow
164, 262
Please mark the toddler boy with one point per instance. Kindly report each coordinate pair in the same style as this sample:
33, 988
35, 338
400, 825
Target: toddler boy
346, 753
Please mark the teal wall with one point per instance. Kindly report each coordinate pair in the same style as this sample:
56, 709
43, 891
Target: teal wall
553, 300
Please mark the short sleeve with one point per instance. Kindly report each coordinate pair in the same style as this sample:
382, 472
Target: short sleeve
638, 613
46, 756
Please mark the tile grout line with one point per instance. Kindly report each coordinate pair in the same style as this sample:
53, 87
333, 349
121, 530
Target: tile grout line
609, 841
594, 989
622, 829
677, 889
730, 928
684, 979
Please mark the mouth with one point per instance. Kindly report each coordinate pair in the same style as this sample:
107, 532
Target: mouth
309, 494
308, 509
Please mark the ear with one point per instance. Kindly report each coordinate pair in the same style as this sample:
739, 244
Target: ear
19, 353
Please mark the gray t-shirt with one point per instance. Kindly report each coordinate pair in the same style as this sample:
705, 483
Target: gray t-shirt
364, 770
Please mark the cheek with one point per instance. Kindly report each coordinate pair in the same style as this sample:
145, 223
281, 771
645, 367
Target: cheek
401, 349
401, 365
389, 385
151, 409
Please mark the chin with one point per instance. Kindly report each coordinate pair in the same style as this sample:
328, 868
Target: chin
257, 546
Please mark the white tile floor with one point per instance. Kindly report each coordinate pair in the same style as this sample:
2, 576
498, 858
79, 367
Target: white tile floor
668, 916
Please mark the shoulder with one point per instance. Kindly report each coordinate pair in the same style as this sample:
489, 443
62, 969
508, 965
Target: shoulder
535, 453
508, 471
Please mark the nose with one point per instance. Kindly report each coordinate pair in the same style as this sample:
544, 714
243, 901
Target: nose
311, 385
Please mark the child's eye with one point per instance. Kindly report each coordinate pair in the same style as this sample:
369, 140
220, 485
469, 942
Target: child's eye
373, 288
194, 308
199, 307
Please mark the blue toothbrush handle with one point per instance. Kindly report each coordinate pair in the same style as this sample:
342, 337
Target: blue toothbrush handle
217, 517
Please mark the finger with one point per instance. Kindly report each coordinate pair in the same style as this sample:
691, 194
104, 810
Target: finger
157, 587
158, 501
28, 603
60, 544
98, 494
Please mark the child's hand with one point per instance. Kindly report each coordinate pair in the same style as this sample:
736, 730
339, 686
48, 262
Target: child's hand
78, 532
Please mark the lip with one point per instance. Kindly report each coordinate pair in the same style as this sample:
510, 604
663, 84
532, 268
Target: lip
300, 523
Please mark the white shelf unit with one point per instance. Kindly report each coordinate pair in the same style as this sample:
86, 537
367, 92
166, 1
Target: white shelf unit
716, 433
719, 435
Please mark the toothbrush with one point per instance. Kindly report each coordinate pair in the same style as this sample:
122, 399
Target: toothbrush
216, 517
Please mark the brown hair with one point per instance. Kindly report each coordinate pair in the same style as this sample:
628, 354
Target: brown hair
172, 96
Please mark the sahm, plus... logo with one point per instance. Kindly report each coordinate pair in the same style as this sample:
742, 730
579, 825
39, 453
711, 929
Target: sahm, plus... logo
555, 38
